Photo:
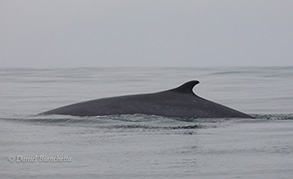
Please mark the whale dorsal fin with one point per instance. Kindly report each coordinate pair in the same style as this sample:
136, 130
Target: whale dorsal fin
186, 87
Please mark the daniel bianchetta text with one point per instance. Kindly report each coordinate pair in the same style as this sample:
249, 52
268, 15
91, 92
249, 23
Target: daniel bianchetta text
39, 159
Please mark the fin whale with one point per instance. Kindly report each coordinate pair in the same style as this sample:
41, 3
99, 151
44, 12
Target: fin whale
177, 102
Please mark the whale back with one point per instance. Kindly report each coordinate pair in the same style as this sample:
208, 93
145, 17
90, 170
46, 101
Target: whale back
176, 102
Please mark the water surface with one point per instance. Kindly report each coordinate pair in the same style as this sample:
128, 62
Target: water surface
140, 146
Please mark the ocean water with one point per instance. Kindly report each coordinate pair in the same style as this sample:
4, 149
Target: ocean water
140, 146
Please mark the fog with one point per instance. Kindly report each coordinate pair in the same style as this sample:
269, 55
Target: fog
155, 33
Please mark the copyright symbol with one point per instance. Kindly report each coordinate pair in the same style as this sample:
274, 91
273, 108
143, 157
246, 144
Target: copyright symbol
11, 158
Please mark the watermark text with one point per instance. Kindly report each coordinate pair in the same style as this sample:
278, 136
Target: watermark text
39, 159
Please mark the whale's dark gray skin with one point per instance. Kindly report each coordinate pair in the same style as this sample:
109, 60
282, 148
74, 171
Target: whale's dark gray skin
177, 102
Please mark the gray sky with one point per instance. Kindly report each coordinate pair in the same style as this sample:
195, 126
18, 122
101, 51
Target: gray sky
86, 33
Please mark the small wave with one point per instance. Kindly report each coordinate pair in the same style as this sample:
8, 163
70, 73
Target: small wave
111, 122
273, 116
230, 72
196, 126
131, 122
